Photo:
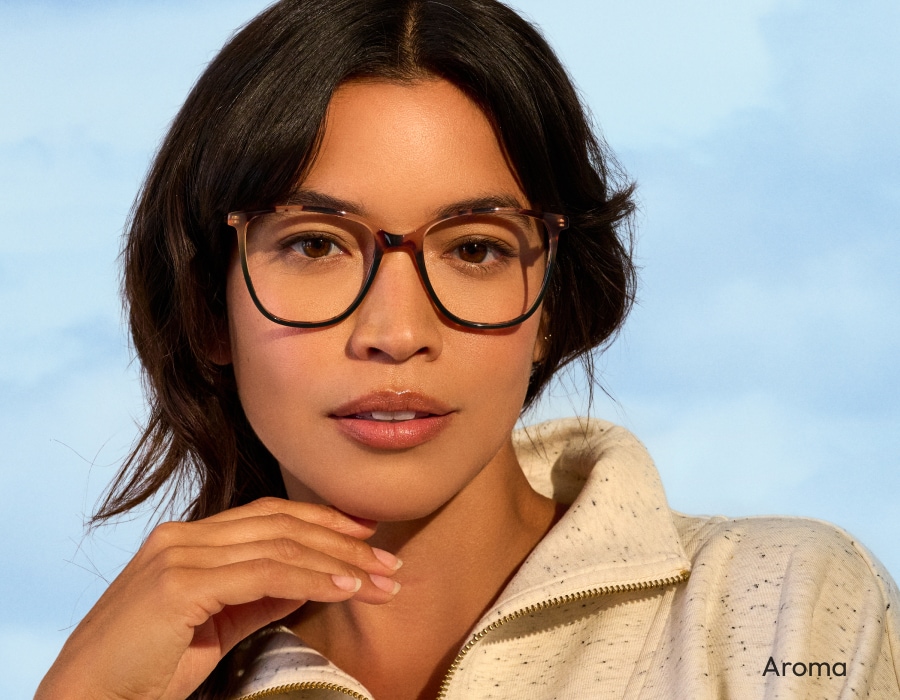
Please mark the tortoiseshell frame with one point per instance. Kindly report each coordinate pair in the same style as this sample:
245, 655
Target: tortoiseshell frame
412, 243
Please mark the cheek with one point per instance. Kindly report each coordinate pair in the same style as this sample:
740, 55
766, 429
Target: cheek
267, 366
288, 379
497, 368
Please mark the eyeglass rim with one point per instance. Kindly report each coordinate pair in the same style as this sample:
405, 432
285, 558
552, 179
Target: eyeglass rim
384, 241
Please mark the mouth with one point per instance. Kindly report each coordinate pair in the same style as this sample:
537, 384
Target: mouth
392, 406
390, 416
388, 420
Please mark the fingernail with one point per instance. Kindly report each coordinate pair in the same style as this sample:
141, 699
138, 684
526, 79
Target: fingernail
388, 559
346, 583
388, 585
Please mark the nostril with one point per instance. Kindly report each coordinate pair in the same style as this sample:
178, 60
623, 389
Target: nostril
396, 347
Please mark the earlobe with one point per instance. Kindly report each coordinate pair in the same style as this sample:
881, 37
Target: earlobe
542, 342
220, 346
540, 349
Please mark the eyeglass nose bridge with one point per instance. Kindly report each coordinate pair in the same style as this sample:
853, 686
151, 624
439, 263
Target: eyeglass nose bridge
412, 244
409, 243
396, 240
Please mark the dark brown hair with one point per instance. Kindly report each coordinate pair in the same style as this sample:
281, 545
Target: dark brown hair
242, 141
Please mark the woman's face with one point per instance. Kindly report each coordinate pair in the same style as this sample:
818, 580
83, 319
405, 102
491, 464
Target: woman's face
317, 398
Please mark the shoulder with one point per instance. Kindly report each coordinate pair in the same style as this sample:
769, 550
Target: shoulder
790, 589
818, 550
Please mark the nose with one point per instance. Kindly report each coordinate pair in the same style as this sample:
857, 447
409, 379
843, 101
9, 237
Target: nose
396, 320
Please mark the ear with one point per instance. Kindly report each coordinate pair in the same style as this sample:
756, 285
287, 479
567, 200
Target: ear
542, 342
219, 352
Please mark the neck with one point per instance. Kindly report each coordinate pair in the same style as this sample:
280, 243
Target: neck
498, 512
456, 562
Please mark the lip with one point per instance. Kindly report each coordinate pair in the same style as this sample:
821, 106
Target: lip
433, 417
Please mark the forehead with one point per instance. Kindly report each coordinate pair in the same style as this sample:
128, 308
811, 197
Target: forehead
416, 145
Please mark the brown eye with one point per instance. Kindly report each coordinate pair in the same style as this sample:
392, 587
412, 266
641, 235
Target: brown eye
315, 247
473, 252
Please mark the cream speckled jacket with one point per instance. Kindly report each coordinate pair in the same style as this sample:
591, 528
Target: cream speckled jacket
626, 599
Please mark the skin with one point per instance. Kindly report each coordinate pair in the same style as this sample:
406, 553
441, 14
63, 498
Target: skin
400, 153
456, 510
194, 590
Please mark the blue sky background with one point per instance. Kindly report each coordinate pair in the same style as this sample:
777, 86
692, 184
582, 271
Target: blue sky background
760, 366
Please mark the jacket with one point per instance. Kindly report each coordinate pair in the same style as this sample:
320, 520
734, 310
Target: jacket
625, 598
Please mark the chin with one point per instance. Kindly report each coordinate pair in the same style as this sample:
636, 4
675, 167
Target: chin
386, 487
397, 497
389, 508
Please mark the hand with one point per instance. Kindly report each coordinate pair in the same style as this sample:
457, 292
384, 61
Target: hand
194, 590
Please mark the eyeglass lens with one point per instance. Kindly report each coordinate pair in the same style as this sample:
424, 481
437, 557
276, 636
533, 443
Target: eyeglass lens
309, 267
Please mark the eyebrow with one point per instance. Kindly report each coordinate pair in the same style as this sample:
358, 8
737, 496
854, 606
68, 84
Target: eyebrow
313, 198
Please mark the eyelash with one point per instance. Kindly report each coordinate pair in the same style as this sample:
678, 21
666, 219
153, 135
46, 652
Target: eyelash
498, 248
291, 242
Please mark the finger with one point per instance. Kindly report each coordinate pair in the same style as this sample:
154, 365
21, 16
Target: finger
212, 640
212, 590
277, 526
326, 516
237, 622
375, 588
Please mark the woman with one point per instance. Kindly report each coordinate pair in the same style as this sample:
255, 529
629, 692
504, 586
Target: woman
372, 235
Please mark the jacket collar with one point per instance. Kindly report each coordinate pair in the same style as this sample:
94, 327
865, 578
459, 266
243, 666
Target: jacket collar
618, 530
618, 533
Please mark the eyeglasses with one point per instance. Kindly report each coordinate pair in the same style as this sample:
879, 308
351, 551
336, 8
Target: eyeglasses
310, 266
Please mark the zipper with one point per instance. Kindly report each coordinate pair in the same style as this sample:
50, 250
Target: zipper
307, 685
478, 636
543, 605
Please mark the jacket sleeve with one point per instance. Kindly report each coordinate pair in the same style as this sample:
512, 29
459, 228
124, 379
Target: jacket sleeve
785, 608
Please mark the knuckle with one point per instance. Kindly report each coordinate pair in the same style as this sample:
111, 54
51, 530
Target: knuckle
172, 581
268, 505
286, 548
270, 570
353, 572
358, 548
282, 522
322, 513
164, 535
170, 557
